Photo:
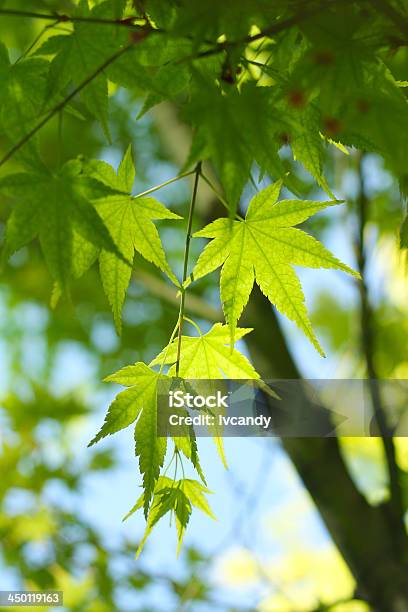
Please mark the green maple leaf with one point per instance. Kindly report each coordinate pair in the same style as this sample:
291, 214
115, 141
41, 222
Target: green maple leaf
168, 499
263, 247
308, 146
78, 55
129, 221
56, 207
208, 356
138, 402
21, 96
176, 496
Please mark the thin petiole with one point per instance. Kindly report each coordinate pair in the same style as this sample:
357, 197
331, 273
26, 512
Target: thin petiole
168, 345
169, 182
217, 193
197, 173
193, 323
36, 40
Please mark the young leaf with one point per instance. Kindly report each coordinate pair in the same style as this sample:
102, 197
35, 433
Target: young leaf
128, 404
130, 222
208, 356
149, 448
308, 146
195, 492
21, 97
56, 207
139, 401
176, 496
80, 54
264, 247
169, 499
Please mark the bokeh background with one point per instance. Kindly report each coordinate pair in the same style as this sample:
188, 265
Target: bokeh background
62, 504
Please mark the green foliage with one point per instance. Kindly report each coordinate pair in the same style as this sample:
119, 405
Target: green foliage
21, 96
253, 81
57, 207
141, 397
208, 356
205, 357
263, 247
77, 55
129, 221
174, 496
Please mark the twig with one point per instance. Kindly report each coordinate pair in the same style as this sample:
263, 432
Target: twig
128, 22
218, 48
273, 29
185, 266
368, 349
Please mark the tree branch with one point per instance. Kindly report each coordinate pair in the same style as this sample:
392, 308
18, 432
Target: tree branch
273, 29
128, 22
368, 349
360, 531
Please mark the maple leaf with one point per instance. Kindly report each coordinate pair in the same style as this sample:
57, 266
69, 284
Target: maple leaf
139, 402
21, 97
56, 207
176, 496
308, 146
78, 55
129, 221
263, 247
208, 356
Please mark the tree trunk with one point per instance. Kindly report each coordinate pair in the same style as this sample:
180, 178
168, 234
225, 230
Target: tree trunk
375, 554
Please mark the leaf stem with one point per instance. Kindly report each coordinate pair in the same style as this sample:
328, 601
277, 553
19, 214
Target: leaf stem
170, 462
173, 333
185, 266
61, 105
36, 40
157, 187
193, 323
217, 193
